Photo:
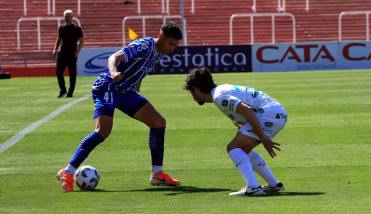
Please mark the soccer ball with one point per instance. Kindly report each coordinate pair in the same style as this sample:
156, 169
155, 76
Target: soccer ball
87, 177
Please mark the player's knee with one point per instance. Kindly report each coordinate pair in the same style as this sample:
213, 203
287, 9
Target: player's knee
159, 122
229, 147
233, 145
103, 132
247, 150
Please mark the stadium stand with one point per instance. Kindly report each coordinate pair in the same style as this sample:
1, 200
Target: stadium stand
102, 23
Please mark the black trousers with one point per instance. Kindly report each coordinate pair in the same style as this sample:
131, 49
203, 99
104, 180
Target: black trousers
64, 61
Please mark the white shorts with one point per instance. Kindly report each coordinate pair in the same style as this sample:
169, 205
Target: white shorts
272, 120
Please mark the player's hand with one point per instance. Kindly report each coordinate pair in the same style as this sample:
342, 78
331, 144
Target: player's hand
270, 146
238, 125
54, 53
116, 76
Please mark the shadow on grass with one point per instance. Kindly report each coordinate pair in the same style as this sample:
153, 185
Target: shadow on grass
171, 190
275, 194
99, 191
191, 189
181, 190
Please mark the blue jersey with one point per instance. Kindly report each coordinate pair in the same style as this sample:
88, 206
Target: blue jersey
140, 58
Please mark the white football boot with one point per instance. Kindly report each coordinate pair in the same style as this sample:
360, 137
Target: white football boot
248, 191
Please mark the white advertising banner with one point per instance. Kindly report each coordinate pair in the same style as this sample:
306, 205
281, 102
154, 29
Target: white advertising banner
311, 56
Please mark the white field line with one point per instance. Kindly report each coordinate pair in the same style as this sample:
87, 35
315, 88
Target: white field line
17, 137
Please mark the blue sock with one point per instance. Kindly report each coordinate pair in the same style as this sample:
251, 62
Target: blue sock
85, 147
156, 144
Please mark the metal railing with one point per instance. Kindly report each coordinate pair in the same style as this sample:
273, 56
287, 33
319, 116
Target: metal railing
281, 5
38, 19
144, 18
25, 7
165, 7
139, 8
51, 7
167, 11
252, 15
340, 22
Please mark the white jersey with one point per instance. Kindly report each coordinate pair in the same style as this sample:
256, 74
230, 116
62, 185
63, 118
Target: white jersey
227, 97
270, 113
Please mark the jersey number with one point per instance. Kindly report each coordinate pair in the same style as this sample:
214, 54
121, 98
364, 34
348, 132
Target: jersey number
108, 97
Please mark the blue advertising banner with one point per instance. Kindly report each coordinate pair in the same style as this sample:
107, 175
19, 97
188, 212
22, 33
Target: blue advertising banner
311, 56
93, 61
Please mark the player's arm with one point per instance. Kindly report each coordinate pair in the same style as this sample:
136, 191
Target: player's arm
250, 116
79, 46
58, 41
56, 46
80, 41
113, 60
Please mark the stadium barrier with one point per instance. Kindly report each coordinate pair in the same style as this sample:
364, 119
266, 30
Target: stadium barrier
232, 58
311, 56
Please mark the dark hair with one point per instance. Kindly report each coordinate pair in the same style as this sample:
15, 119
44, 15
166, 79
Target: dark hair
172, 30
200, 78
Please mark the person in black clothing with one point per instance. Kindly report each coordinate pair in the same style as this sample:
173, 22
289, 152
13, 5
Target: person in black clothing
70, 40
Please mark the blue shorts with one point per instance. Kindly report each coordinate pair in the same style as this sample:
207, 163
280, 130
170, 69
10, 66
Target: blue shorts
105, 102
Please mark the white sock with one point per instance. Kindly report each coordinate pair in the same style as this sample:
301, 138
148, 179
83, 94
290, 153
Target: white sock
156, 169
70, 169
243, 165
259, 166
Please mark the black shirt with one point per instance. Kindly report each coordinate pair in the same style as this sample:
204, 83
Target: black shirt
69, 35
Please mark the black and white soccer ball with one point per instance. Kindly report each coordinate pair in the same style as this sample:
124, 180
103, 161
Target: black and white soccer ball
87, 178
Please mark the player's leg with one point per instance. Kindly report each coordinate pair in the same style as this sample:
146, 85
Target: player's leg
272, 122
257, 161
61, 65
103, 125
157, 124
261, 167
138, 107
237, 150
73, 73
103, 117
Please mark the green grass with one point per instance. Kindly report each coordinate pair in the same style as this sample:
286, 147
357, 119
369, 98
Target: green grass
325, 163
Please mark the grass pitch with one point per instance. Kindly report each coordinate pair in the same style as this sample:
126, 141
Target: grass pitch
325, 163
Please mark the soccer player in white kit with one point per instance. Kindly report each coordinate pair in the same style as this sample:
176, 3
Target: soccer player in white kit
258, 117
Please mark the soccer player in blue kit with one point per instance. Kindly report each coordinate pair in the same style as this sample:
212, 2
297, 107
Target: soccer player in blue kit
119, 88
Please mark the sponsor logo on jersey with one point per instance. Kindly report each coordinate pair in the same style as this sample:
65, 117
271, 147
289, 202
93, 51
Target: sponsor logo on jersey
232, 103
144, 46
252, 131
268, 124
255, 93
260, 110
281, 115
